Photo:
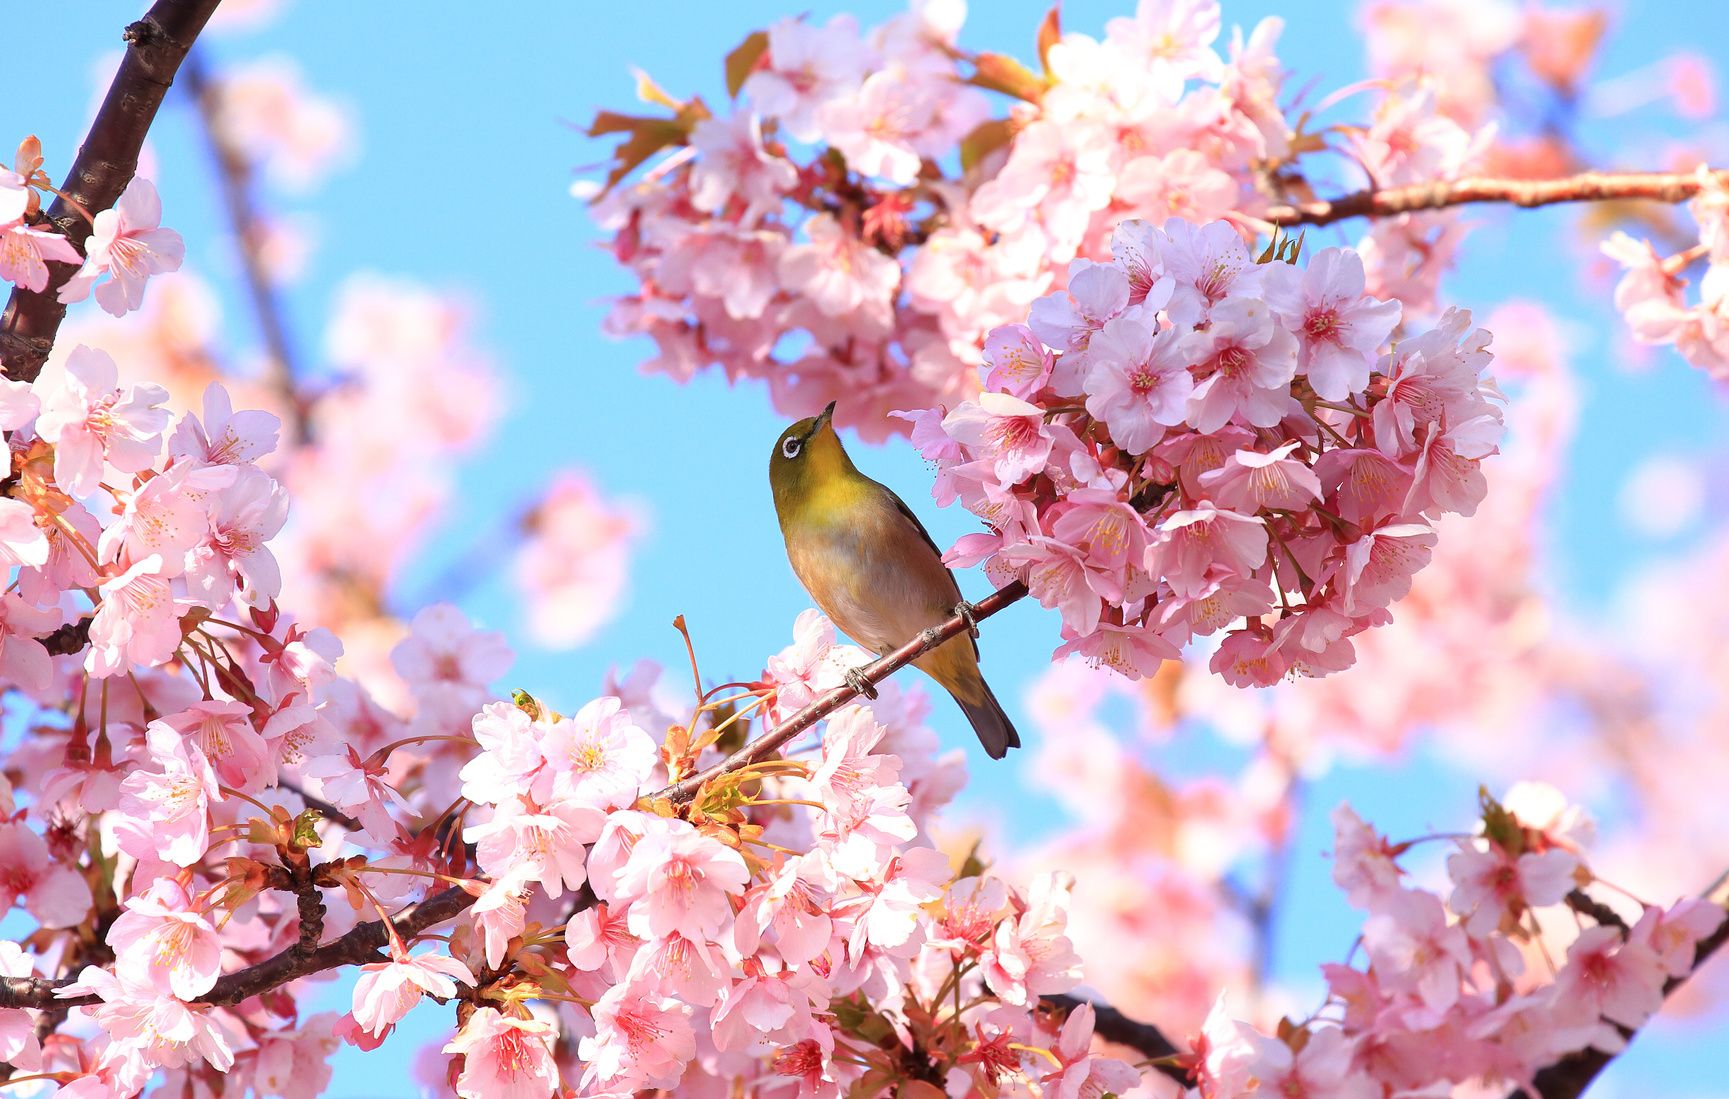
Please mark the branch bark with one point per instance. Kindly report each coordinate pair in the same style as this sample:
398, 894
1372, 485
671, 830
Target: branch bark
1669, 187
106, 163
363, 942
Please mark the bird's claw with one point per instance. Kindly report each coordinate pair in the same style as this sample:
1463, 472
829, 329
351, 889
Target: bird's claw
860, 685
969, 614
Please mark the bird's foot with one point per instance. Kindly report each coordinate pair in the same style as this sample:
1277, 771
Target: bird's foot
968, 614
860, 685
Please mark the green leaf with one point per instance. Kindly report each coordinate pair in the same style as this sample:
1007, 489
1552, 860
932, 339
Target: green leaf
742, 61
986, 138
1050, 31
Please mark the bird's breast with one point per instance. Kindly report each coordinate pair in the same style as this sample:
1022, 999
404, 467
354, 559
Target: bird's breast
871, 572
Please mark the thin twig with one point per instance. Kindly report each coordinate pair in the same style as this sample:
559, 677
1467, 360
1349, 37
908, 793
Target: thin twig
106, 163
1670, 187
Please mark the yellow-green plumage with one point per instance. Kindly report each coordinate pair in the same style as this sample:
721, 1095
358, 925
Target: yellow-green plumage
871, 567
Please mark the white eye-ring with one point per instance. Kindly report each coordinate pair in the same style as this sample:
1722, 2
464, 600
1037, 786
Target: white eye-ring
790, 448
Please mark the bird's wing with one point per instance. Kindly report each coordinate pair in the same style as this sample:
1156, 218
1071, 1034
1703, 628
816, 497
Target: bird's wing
929, 541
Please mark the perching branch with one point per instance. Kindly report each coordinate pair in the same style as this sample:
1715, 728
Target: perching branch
1670, 187
363, 942
106, 163
234, 174
1571, 1075
829, 701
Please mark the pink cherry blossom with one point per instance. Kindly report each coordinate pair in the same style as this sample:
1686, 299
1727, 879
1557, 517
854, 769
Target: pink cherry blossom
598, 758
837, 272
55, 894
1019, 364
1247, 362
127, 244
1251, 481
1339, 330
679, 880
813, 663
640, 1040
26, 250
1010, 432
91, 419
137, 621
504, 1057
232, 558
387, 990
163, 1030
1139, 382
731, 165
224, 436
1488, 884
1620, 981
163, 942
449, 664
165, 813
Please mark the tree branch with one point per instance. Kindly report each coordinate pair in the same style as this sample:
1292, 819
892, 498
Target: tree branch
362, 943
106, 163
829, 701
1571, 1075
234, 175
1145, 1038
1670, 187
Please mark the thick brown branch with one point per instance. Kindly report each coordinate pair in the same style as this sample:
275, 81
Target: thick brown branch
1384, 202
107, 161
234, 174
1145, 1038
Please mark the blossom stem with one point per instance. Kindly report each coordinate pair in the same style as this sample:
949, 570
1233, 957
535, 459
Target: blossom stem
377, 759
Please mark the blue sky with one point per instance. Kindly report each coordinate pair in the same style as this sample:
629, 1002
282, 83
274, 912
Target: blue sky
468, 138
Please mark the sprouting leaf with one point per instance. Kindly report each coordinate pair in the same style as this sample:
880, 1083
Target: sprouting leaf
998, 72
1050, 32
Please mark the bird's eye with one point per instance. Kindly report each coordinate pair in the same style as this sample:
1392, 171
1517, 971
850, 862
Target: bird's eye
790, 448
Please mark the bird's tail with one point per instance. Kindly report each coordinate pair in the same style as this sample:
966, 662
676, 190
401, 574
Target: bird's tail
996, 732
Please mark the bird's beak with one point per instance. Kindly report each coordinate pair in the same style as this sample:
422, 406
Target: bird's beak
827, 415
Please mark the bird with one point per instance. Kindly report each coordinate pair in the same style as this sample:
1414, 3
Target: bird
872, 567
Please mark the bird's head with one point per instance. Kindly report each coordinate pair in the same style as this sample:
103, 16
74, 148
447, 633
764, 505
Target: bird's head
805, 455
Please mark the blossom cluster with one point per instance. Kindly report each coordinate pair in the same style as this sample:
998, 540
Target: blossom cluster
829, 203
1216, 444
1652, 294
1451, 988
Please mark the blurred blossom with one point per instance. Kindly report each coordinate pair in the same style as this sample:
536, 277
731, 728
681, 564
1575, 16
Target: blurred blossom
572, 568
1664, 495
264, 110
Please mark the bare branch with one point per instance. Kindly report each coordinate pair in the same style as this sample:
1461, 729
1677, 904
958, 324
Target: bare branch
106, 163
1669, 187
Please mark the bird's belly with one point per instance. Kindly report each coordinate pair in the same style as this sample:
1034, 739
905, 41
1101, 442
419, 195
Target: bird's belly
873, 598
